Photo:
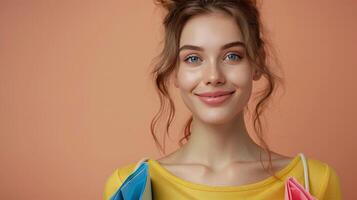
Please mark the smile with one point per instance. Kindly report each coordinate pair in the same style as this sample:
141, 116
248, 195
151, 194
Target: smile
215, 100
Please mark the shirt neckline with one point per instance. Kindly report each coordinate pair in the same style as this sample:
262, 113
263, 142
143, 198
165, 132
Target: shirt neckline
166, 173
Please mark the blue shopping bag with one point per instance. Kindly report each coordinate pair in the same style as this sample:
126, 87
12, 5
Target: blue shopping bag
137, 186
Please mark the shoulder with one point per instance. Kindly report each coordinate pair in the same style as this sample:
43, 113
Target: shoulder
324, 180
116, 179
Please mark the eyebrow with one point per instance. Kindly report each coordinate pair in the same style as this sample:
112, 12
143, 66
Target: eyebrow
226, 46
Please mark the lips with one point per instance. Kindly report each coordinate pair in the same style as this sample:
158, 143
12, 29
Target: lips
215, 98
215, 94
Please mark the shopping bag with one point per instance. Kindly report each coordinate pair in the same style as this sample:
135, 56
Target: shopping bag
137, 186
294, 191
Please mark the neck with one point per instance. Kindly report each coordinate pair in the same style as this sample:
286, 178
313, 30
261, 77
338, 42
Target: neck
220, 145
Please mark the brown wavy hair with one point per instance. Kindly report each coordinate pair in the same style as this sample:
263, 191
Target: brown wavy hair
247, 17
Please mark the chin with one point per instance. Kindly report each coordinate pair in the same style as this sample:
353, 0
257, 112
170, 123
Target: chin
216, 118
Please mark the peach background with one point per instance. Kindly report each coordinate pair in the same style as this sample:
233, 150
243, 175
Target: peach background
75, 93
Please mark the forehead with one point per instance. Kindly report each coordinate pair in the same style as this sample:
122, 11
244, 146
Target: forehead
210, 30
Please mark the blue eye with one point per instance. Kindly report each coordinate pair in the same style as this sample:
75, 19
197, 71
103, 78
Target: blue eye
192, 58
232, 55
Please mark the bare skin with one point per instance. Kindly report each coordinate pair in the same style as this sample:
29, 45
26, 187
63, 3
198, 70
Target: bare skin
220, 150
235, 174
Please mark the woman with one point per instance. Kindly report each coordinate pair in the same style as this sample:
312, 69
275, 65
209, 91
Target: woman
213, 52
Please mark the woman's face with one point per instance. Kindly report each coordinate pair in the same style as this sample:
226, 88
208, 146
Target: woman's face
213, 58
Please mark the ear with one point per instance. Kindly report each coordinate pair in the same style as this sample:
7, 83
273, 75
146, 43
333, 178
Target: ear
175, 81
174, 78
256, 75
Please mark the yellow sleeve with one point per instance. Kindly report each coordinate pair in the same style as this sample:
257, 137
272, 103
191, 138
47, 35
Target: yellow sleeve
331, 190
112, 184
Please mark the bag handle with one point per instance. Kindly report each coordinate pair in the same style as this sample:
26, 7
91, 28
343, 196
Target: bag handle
306, 171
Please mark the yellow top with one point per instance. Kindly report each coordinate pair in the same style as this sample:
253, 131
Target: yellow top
324, 183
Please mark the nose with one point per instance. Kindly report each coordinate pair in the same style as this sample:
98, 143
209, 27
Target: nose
213, 75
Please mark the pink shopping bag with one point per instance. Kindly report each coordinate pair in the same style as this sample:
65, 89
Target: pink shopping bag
294, 191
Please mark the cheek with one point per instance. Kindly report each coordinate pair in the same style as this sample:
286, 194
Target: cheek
240, 77
187, 80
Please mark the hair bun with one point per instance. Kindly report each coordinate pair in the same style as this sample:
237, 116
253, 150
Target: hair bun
167, 4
